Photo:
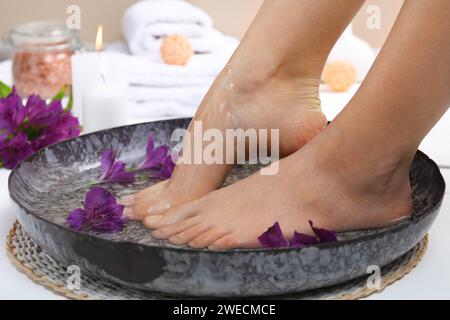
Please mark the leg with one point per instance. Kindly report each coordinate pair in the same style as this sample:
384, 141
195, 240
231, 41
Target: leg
355, 173
270, 82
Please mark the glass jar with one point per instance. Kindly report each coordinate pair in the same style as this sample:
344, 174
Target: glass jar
42, 54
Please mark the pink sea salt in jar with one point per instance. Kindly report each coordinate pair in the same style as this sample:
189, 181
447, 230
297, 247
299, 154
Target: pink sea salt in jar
42, 52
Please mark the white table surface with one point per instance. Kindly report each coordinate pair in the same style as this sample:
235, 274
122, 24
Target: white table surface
429, 280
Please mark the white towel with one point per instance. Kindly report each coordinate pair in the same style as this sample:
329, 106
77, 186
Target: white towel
185, 95
160, 109
138, 19
200, 71
169, 81
200, 65
212, 41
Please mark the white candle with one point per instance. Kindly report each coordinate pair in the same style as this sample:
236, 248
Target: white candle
100, 87
86, 74
104, 106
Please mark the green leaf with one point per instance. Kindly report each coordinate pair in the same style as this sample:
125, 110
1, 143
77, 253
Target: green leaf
5, 90
60, 94
70, 101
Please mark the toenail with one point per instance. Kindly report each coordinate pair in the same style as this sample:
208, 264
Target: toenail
153, 219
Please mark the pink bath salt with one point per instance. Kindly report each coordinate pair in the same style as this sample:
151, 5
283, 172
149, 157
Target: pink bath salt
41, 72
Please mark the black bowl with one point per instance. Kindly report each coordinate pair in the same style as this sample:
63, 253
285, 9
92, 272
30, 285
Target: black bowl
52, 182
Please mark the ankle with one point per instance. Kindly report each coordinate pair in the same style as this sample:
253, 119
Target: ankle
252, 75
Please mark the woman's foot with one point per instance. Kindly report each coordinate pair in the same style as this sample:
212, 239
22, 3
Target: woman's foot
289, 104
315, 183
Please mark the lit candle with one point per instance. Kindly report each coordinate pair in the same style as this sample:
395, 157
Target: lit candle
100, 91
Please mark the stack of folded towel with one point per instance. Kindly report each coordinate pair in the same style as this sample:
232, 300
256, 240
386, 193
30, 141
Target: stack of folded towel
158, 89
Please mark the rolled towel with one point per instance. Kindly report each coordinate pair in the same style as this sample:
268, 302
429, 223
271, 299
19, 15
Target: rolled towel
169, 81
212, 41
200, 65
143, 71
139, 21
184, 95
150, 110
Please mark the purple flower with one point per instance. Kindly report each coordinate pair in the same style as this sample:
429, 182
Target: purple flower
25, 129
274, 238
100, 213
113, 170
12, 112
323, 235
40, 115
154, 157
14, 150
158, 160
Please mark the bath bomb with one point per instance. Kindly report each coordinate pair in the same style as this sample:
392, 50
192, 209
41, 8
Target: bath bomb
339, 75
176, 49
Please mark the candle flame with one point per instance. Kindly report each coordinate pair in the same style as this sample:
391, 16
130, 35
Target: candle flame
99, 39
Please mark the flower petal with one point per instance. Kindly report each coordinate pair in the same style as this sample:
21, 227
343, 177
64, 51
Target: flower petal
106, 162
324, 235
154, 158
167, 168
76, 219
273, 237
99, 199
150, 144
300, 240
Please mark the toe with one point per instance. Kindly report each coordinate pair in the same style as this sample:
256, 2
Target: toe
151, 191
207, 238
232, 241
137, 212
172, 216
191, 233
167, 232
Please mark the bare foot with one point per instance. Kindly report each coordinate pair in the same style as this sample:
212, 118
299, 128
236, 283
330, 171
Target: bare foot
312, 184
290, 105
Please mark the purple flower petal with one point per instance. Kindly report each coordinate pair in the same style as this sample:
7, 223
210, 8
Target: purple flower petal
106, 162
300, 240
154, 158
15, 150
114, 171
273, 238
324, 235
99, 199
119, 174
12, 112
150, 144
167, 168
76, 219
39, 114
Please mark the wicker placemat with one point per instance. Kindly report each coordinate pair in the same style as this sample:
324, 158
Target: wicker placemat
41, 268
